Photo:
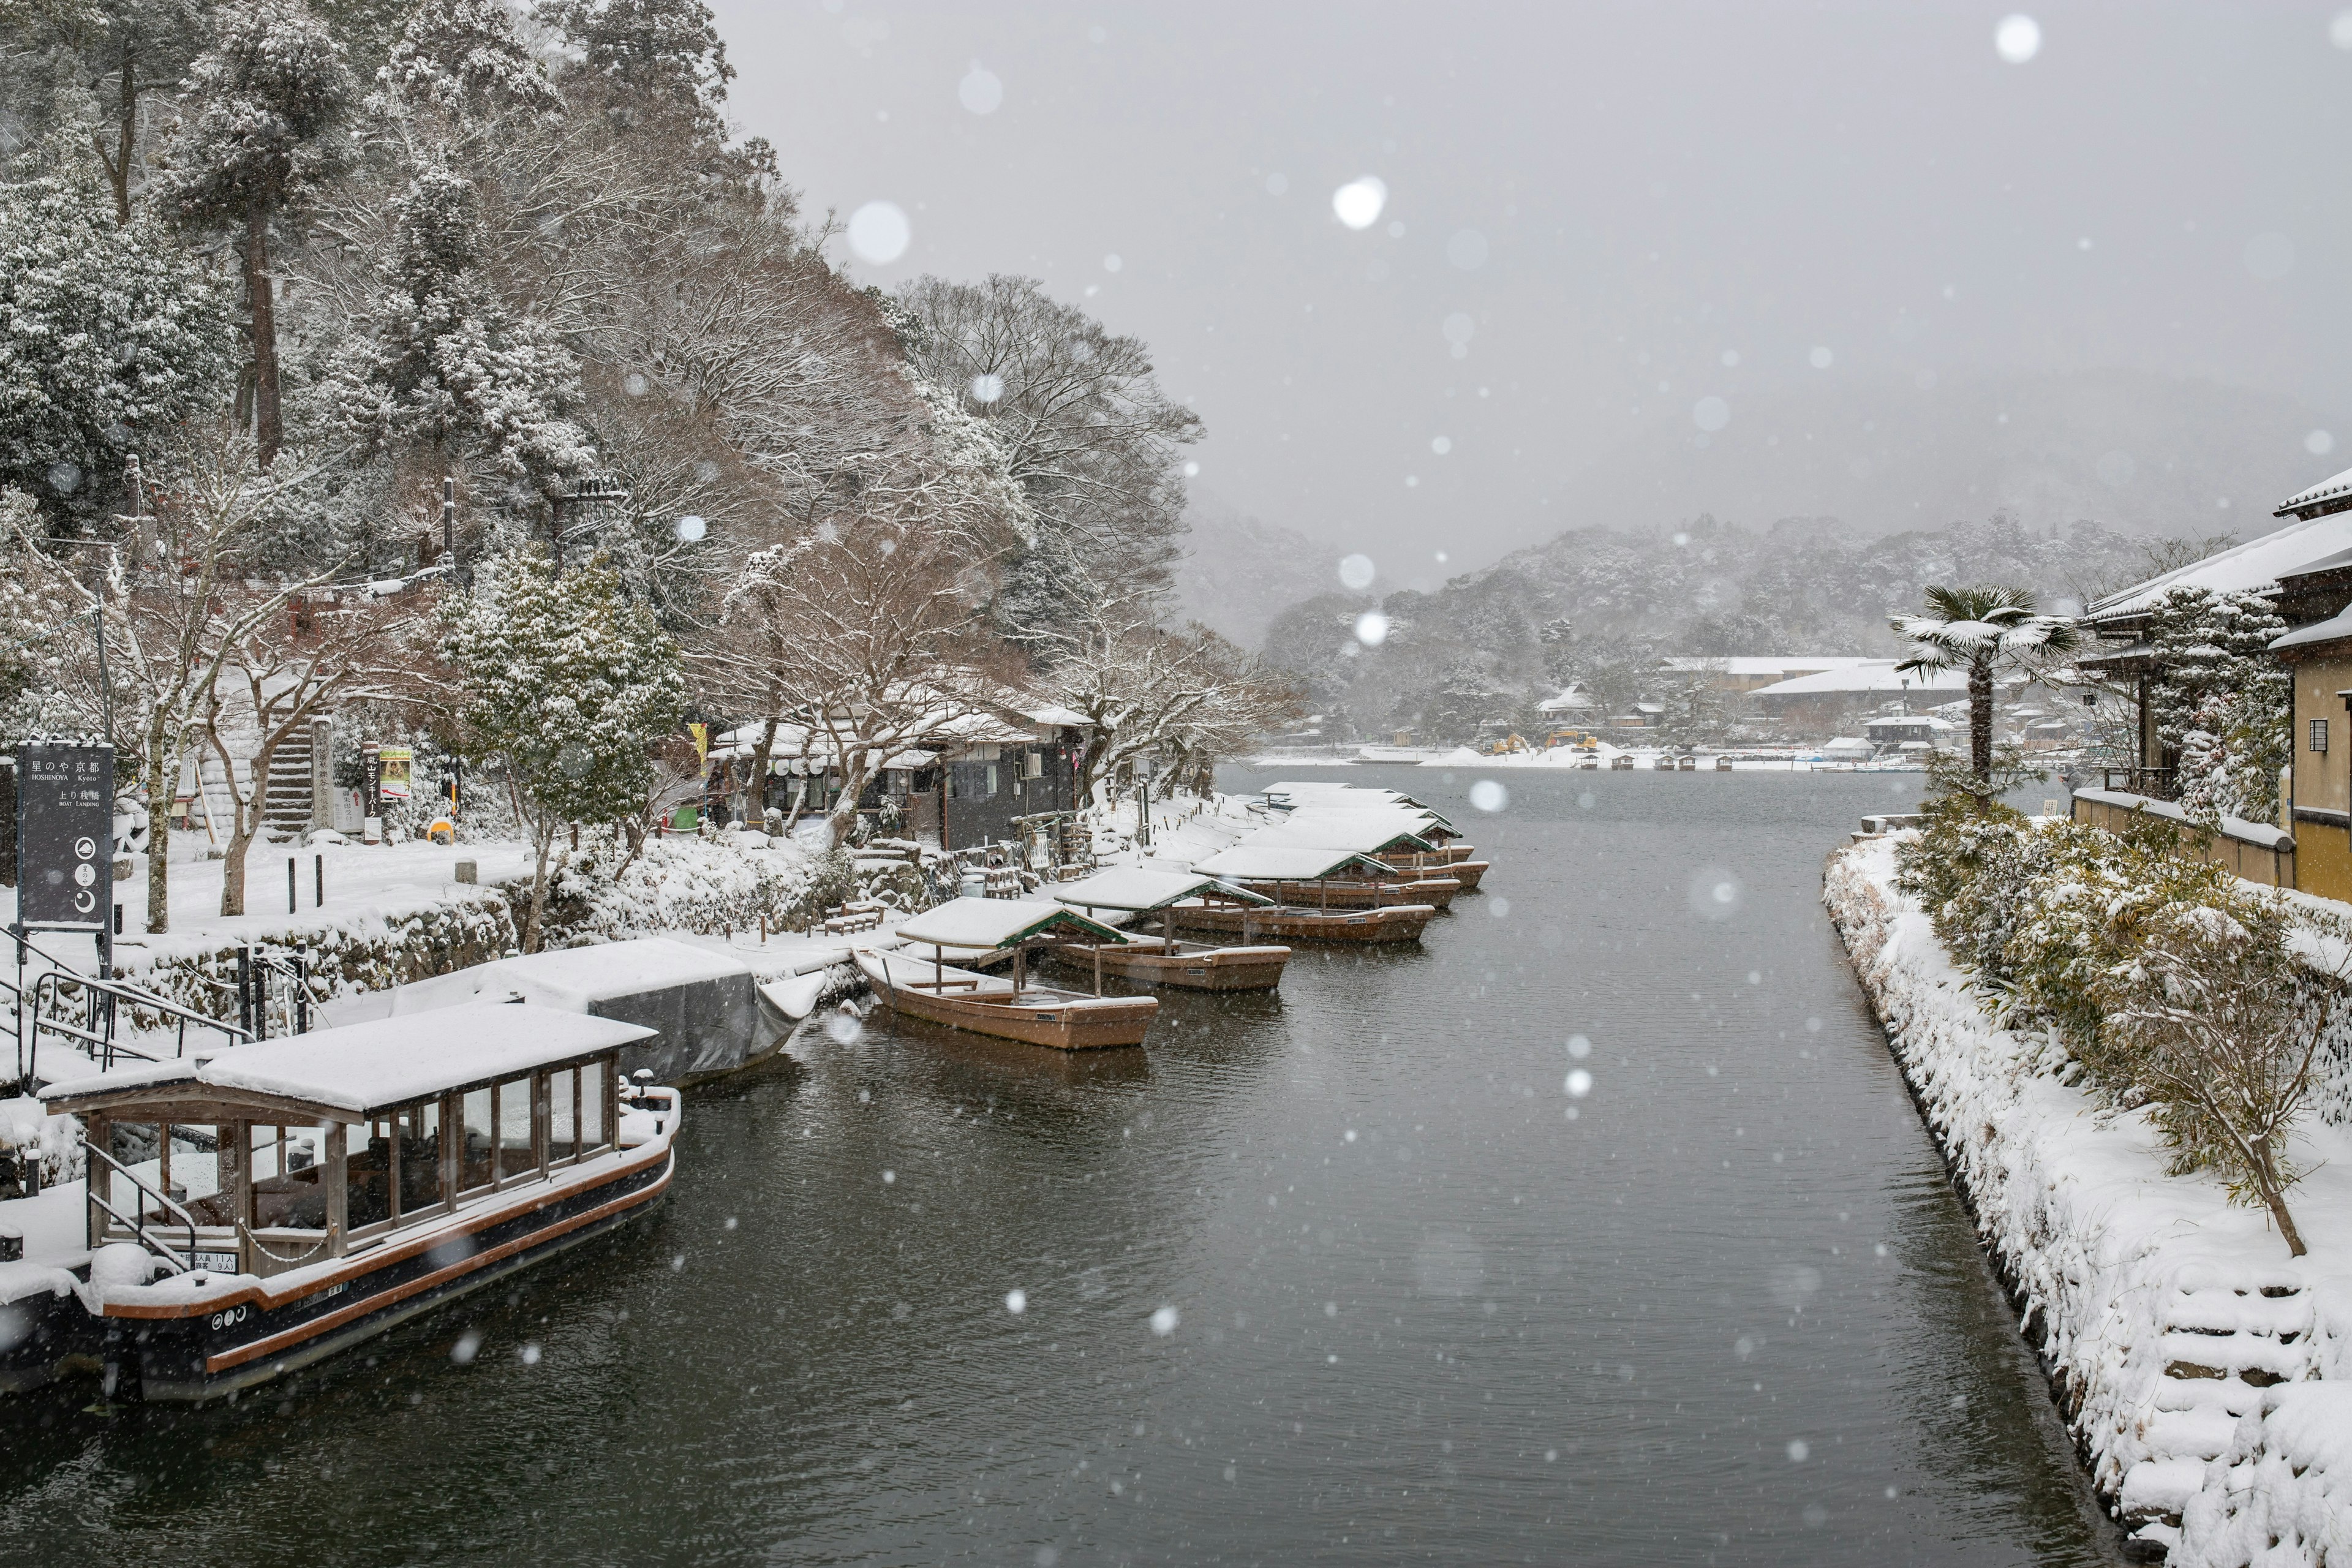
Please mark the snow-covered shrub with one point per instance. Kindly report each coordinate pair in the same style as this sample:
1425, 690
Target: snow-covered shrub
600, 892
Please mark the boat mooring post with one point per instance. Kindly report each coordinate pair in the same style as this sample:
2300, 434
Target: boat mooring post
292, 905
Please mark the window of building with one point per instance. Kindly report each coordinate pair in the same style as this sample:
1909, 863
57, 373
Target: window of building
1032, 765
991, 780
2319, 734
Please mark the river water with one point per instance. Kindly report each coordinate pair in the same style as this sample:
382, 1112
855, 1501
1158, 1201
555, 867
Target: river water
1345, 1275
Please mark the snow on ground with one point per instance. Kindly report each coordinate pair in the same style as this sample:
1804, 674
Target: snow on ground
2205, 1373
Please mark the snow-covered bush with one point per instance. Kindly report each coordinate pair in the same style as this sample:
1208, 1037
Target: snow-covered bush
600, 892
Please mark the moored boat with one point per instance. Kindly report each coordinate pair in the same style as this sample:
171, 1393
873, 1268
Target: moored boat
252, 1210
1314, 892
1014, 1009
1165, 960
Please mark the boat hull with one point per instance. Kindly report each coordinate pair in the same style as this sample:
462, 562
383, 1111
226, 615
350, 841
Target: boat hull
224, 1345
1392, 923
1146, 963
1057, 1019
1343, 893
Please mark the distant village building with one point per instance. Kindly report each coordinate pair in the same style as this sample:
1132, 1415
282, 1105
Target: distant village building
1745, 672
1834, 700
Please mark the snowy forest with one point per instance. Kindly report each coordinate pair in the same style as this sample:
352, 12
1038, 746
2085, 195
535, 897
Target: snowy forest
1600, 606
456, 362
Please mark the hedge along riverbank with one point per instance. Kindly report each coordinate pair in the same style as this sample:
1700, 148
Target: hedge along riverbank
2205, 1375
416, 932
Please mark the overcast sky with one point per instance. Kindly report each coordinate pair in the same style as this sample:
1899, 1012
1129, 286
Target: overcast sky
1632, 208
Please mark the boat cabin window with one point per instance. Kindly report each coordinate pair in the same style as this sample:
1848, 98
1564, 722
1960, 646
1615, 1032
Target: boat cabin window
475, 1167
367, 1174
518, 1150
416, 1141
596, 1105
562, 1116
290, 1179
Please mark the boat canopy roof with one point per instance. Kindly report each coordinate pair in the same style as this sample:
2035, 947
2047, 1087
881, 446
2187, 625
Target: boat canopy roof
1287, 863
363, 1068
1366, 833
1305, 797
990, 923
1142, 888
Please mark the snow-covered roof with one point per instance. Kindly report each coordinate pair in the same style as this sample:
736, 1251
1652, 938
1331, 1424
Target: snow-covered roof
1574, 699
2255, 567
2333, 630
1868, 675
1782, 665
1921, 722
1299, 796
2329, 495
1287, 863
1364, 832
1054, 713
364, 1068
1138, 887
576, 978
985, 924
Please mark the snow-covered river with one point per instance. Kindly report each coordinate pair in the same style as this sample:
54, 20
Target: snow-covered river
1349, 1277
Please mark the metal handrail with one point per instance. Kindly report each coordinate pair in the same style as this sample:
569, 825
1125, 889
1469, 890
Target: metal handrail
44, 992
138, 1224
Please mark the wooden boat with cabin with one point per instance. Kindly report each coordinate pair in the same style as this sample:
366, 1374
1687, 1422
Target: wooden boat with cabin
1165, 960
1014, 1009
1413, 839
252, 1210
1301, 882
1359, 886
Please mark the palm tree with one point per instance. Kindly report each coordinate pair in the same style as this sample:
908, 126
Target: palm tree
1982, 630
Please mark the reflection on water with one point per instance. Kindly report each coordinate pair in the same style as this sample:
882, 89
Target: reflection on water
1420, 1301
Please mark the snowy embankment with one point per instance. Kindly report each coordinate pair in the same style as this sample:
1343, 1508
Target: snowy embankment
2206, 1376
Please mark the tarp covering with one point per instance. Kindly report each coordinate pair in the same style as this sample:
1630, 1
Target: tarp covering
1139, 887
362, 1068
985, 924
1288, 863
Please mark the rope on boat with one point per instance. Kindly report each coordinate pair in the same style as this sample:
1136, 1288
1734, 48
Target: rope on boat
278, 1257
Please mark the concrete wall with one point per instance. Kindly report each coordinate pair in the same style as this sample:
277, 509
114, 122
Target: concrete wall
2250, 850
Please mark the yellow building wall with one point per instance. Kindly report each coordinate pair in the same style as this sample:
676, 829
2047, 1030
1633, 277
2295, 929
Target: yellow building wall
2322, 780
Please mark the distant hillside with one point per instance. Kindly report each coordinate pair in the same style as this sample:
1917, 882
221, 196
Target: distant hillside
1603, 607
1240, 572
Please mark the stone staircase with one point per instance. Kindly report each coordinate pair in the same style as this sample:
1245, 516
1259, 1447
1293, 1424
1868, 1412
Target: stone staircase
286, 797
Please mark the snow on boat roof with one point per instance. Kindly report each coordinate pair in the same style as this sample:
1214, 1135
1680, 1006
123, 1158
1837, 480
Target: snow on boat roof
362, 1068
1362, 832
1139, 887
990, 923
2250, 567
575, 978
1286, 862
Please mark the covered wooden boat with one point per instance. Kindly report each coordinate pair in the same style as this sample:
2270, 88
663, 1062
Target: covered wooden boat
255, 1210
1410, 838
1356, 880
981, 929
1164, 959
1312, 889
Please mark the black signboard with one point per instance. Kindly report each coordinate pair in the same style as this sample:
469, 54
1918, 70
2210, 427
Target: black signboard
64, 836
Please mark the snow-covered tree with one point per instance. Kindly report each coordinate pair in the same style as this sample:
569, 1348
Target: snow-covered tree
568, 687
179, 602
274, 94
2223, 705
1984, 631
454, 366
1095, 444
1697, 713
109, 337
284, 670
456, 66
872, 629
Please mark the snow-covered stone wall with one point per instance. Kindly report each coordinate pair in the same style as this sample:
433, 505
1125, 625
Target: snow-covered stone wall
2205, 1375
